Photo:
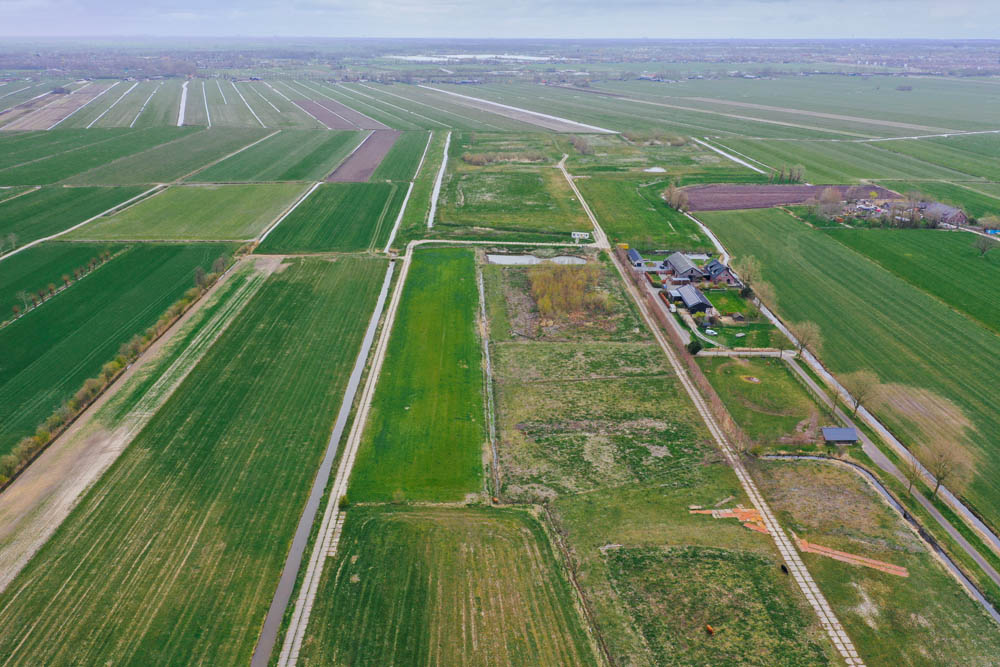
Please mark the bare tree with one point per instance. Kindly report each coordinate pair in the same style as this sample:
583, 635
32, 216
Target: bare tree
765, 293
808, 336
984, 244
829, 202
23, 297
675, 197
947, 462
748, 269
12, 240
861, 385
912, 471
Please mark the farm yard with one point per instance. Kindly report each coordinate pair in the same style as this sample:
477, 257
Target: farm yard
198, 212
340, 287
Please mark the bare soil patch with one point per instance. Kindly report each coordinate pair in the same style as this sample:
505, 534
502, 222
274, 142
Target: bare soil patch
339, 116
55, 110
363, 162
325, 116
732, 197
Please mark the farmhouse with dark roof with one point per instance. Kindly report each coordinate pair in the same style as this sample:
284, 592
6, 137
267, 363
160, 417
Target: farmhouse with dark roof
682, 268
718, 272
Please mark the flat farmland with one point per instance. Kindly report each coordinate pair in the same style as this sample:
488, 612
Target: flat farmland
429, 586
829, 162
400, 164
59, 108
386, 112
338, 217
50, 210
975, 155
976, 199
534, 199
35, 268
170, 161
362, 162
51, 350
225, 108
117, 108
162, 108
27, 146
729, 197
290, 155
107, 146
931, 392
198, 212
161, 562
425, 433
275, 109
630, 213
924, 618
331, 111
908, 252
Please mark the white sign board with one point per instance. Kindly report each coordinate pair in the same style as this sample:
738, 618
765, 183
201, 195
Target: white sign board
581, 235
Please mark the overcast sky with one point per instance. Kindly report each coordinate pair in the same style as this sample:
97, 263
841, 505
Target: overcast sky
505, 18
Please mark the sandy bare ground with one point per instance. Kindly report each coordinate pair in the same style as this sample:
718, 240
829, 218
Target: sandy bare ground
554, 123
16, 112
362, 163
42, 497
58, 109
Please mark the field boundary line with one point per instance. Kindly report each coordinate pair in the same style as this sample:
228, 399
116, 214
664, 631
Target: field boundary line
14, 106
347, 90
346, 120
224, 100
333, 99
437, 183
322, 546
729, 156
261, 96
523, 110
431, 106
277, 91
427, 146
399, 219
143, 107
393, 189
488, 382
288, 212
204, 98
233, 83
31, 188
113, 209
224, 157
796, 567
183, 105
113, 104
90, 101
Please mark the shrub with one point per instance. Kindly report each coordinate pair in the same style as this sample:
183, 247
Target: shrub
695, 346
561, 290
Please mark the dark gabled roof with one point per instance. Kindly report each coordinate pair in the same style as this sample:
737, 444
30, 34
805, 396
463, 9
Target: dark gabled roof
633, 255
680, 264
714, 268
692, 296
837, 434
943, 210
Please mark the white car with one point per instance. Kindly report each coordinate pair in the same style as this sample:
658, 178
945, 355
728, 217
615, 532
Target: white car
711, 332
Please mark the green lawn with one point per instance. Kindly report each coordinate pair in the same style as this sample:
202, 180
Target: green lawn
162, 561
637, 216
198, 212
923, 619
291, 155
50, 210
51, 350
432, 586
960, 277
170, 161
766, 400
339, 217
400, 164
425, 434
42, 166
935, 362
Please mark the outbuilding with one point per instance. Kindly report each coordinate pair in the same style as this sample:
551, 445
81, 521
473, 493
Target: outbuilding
679, 266
693, 299
836, 435
635, 259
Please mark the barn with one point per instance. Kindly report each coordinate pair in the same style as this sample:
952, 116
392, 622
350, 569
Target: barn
693, 299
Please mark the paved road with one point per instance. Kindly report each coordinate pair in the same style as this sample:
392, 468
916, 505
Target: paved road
883, 462
796, 567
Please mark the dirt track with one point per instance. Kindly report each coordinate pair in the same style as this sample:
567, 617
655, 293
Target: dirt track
732, 197
362, 163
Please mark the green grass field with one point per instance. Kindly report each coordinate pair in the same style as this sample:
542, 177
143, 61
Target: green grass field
198, 212
291, 155
170, 161
766, 400
37, 267
975, 155
18, 148
934, 361
400, 164
54, 348
84, 153
164, 540
48, 211
919, 620
434, 586
339, 217
840, 162
425, 434
962, 278
637, 216
974, 198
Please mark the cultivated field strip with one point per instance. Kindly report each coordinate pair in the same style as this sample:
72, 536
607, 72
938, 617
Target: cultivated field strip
42, 496
161, 561
366, 158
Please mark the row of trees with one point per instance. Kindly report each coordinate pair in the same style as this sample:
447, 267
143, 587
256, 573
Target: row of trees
28, 447
793, 174
33, 299
675, 197
581, 145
